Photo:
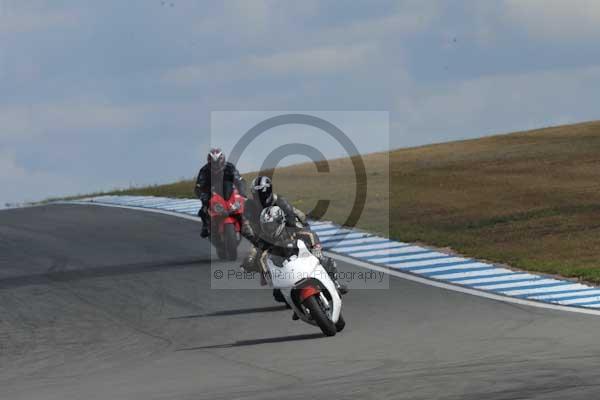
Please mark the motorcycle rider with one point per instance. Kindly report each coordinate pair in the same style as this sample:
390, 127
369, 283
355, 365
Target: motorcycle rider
262, 192
263, 197
215, 176
279, 239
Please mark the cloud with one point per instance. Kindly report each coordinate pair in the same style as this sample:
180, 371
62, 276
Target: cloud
91, 116
306, 44
407, 18
27, 185
204, 74
254, 15
25, 122
556, 19
15, 121
310, 61
496, 104
83, 97
258, 22
17, 20
319, 60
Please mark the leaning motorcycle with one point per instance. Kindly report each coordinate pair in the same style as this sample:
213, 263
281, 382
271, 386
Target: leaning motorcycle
225, 223
308, 290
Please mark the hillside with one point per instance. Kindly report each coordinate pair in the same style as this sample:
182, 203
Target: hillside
528, 199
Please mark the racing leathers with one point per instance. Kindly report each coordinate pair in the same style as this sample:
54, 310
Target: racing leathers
294, 218
286, 246
222, 182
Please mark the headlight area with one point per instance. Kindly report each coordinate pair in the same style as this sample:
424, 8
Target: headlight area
218, 208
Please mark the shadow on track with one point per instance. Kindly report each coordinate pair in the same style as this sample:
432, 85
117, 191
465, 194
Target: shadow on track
240, 311
254, 342
54, 274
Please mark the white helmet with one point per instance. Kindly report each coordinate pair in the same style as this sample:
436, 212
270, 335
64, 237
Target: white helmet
272, 221
216, 159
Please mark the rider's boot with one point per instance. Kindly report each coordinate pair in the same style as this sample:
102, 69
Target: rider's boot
332, 271
278, 296
341, 287
203, 214
205, 231
249, 264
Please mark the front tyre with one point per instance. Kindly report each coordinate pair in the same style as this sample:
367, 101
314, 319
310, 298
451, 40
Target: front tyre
230, 242
341, 324
317, 313
221, 253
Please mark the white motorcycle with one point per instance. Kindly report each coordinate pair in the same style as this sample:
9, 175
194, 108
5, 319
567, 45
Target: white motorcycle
308, 290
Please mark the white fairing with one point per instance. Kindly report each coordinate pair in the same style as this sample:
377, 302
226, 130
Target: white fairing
294, 270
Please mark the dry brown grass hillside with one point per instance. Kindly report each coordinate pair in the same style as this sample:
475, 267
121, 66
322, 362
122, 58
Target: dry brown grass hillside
528, 199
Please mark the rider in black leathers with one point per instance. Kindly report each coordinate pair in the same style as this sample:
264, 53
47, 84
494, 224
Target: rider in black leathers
262, 192
219, 176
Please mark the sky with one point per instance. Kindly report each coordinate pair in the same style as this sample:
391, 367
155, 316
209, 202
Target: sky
97, 95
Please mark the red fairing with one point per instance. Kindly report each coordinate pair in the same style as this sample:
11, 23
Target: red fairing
224, 211
307, 292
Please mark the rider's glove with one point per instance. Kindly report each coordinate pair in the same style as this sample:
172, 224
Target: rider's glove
204, 197
317, 251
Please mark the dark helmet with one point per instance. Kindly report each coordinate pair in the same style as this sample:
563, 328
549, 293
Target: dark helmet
272, 222
216, 159
262, 189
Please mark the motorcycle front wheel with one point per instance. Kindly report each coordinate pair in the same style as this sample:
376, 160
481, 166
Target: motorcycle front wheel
317, 313
341, 324
230, 242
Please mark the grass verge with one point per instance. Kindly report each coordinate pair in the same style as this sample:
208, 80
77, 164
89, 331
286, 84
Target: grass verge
529, 199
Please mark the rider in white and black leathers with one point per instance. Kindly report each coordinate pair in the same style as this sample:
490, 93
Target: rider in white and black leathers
279, 239
263, 197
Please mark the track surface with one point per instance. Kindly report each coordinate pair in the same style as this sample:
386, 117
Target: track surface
104, 303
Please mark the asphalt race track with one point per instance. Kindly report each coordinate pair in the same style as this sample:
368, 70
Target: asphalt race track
107, 303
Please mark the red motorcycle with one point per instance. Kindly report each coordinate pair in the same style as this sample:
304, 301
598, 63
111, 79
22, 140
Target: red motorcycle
225, 223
